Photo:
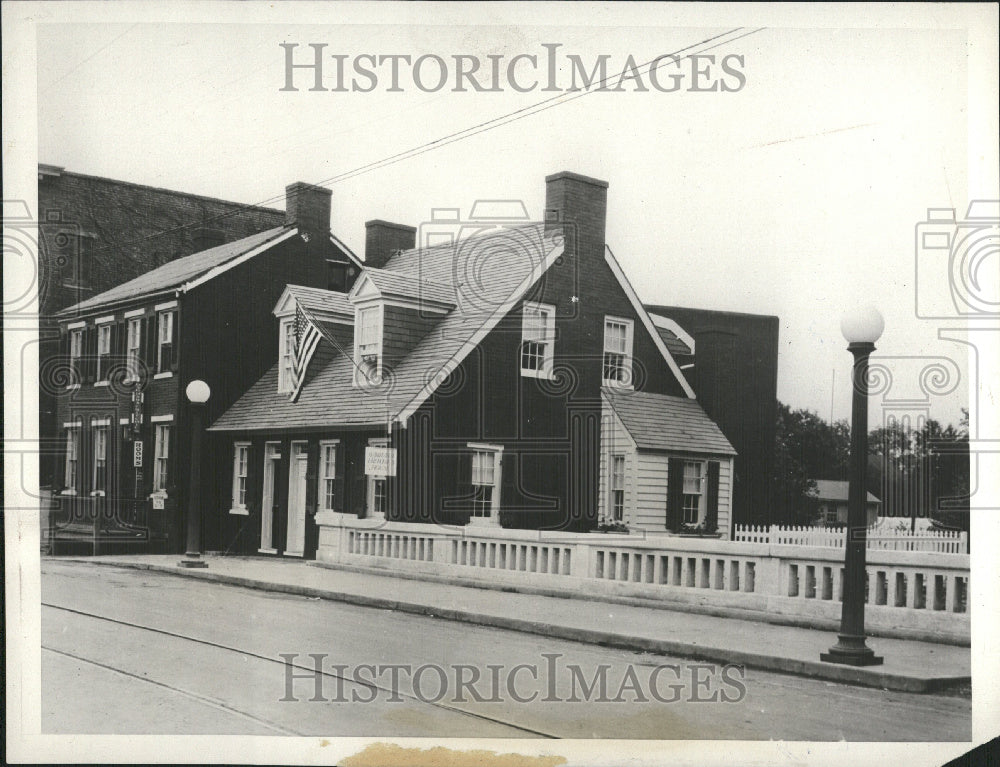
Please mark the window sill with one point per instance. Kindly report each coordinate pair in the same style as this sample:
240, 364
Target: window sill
72, 387
618, 385
168, 374
490, 521
243, 512
101, 383
267, 551
538, 374
97, 493
68, 492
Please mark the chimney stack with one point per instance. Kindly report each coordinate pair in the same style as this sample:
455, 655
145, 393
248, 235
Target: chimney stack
307, 207
383, 239
578, 204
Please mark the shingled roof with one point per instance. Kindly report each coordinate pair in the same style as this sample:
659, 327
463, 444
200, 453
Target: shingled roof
837, 490
664, 422
183, 270
330, 398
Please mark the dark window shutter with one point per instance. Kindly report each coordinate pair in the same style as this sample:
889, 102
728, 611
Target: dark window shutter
149, 342
338, 482
175, 341
255, 481
90, 353
312, 477
675, 494
712, 511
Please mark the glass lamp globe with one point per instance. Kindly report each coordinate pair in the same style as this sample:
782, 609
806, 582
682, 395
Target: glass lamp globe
862, 325
198, 392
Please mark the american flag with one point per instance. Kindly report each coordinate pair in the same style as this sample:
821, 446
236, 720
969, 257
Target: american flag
306, 337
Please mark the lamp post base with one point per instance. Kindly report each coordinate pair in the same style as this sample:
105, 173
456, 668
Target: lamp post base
851, 650
193, 560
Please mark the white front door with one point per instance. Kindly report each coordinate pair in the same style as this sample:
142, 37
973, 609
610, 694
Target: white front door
296, 536
272, 454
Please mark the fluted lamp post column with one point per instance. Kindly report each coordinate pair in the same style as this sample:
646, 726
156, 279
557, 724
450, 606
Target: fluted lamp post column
197, 393
861, 329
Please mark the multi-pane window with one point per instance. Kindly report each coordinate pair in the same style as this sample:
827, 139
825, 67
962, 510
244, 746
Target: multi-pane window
103, 351
618, 487
483, 482
76, 349
537, 339
378, 495
161, 456
287, 353
617, 367
134, 347
694, 490
328, 475
241, 463
368, 335
165, 341
100, 479
72, 458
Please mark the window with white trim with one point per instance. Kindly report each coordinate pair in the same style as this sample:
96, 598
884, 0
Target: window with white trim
693, 491
368, 341
618, 487
99, 483
538, 330
72, 458
377, 484
134, 347
617, 367
328, 476
103, 351
485, 482
286, 353
165, 341
241, 464
76, 350
161, 456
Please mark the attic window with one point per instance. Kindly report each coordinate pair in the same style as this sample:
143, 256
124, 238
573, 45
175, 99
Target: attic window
617, 367
537, 340
286, 341
336, 276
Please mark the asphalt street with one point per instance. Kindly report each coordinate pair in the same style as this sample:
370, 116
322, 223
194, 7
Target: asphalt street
130, 651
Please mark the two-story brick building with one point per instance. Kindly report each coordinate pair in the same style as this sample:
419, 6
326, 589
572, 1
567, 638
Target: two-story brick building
129, 352
510, 379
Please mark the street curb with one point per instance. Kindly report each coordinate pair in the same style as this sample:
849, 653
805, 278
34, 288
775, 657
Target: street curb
865, 677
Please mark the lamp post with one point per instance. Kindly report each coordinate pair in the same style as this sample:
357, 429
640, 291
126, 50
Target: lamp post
861, 329
197, 393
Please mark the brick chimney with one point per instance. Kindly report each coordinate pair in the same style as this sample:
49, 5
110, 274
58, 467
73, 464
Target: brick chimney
383, 239
582, 203
307, 207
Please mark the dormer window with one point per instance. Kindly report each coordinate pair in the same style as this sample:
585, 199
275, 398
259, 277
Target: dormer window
368, 341
538, 329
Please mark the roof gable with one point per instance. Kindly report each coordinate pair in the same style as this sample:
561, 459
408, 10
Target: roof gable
185, 273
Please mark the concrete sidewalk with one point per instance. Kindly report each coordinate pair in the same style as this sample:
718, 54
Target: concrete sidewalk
910, 665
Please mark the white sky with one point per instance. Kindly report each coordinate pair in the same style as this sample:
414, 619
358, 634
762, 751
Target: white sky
796, 196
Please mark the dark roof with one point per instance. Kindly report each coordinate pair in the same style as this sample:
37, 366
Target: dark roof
672, 342
664, 422
321, 301
406, 285
330, 398
176, 273
836, 490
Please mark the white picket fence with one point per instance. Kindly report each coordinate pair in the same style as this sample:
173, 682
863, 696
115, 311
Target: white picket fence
886, 539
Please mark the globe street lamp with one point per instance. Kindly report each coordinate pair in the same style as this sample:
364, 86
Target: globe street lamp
862, 329
197, 393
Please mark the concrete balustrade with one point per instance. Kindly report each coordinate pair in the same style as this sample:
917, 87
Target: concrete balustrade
909, 593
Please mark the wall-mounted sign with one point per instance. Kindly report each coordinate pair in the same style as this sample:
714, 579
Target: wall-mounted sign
138, 398
137, 454
380, 461
157, 501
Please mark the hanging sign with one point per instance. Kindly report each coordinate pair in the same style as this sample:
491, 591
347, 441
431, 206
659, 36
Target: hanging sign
380, 461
